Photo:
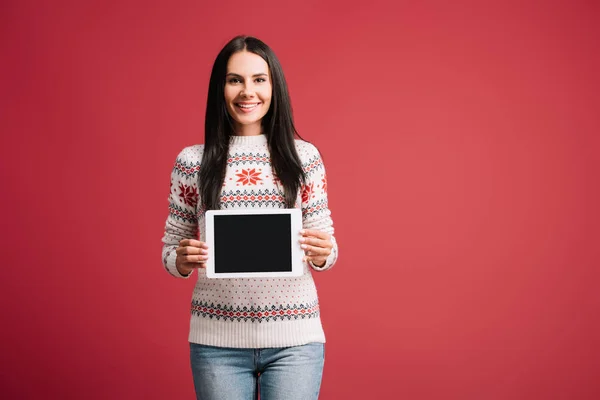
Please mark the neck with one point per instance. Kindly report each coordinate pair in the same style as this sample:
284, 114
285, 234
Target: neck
248, 130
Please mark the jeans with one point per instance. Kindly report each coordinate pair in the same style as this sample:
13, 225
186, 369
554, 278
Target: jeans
288, 373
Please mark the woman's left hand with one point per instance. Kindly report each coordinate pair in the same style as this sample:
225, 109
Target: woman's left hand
317, 246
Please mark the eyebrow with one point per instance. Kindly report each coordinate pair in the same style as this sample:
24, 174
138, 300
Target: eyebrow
254, 76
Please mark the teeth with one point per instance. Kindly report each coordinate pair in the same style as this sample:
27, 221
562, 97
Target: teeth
247, 105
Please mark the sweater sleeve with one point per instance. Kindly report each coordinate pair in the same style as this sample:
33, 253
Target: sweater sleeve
182, 222
315, 209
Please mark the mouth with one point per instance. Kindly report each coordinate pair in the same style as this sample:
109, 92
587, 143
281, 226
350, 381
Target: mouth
246, 107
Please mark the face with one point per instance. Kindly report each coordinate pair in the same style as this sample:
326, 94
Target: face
248, 91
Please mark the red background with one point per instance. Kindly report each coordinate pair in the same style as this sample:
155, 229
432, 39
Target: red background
461, 146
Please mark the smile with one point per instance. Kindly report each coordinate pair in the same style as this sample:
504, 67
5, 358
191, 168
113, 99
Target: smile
247, 108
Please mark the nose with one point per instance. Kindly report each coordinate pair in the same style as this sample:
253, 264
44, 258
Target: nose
247, 91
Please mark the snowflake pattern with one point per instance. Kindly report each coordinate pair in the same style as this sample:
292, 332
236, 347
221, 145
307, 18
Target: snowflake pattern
249, 177
307, 192
189, 195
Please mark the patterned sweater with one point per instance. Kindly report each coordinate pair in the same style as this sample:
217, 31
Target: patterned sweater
249, 312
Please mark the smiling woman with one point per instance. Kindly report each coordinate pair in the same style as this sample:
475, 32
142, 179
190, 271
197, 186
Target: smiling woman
251, 335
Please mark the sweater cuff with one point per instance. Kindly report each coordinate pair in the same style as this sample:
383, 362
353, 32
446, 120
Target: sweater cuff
171, 267
328, 263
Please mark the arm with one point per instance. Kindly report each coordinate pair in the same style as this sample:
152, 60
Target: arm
182, 222
316, 215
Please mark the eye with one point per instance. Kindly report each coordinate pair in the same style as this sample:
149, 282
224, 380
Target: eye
260, 80
234, 80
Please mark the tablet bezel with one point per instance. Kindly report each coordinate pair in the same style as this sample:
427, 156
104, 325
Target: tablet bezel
297, 252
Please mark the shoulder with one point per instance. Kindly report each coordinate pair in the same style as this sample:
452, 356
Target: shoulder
191, 154
310, 158
307, 151
188, 160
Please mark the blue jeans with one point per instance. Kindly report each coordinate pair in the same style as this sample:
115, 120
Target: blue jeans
288, 373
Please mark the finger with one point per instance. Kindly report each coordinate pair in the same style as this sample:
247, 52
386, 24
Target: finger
315, 260
190, 250
314, 250
192, 243
316, 242
315, 233
194, 258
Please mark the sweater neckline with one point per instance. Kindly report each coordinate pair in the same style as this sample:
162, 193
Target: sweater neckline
248, 140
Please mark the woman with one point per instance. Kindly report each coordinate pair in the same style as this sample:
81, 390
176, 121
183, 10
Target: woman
261, 334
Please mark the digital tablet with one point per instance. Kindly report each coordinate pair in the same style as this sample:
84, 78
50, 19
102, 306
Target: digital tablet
254, 243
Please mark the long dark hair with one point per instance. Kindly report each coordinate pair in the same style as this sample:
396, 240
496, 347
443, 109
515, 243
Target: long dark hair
277, 124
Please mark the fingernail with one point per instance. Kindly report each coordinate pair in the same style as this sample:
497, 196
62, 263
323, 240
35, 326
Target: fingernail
303, 246
302, 231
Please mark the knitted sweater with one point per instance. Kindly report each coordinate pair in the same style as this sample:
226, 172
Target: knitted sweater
249, 312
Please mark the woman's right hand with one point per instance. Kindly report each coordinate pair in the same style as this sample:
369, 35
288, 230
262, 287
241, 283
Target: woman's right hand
191, 254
